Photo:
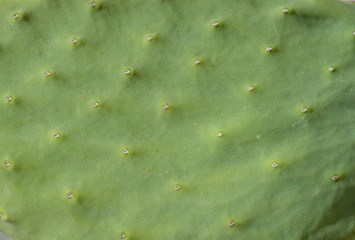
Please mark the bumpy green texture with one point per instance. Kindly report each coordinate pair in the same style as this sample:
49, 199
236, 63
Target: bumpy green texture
177, 119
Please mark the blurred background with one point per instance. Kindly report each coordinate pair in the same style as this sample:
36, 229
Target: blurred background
4, 237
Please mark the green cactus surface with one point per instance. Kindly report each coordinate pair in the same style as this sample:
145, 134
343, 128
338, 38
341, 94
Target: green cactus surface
177, 119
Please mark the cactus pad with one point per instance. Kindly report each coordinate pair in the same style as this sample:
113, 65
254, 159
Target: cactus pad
177, 119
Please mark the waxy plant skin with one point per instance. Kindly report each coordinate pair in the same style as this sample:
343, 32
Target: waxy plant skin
177, 119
